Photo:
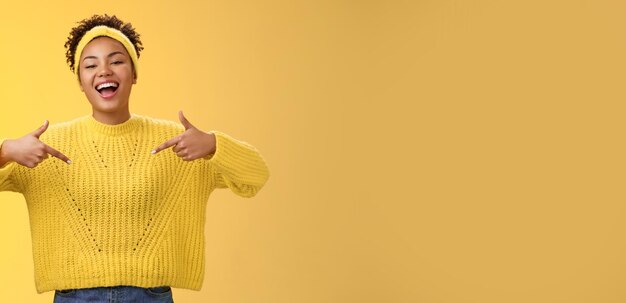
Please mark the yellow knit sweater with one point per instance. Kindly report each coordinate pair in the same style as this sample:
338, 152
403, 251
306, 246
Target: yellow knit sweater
119, 215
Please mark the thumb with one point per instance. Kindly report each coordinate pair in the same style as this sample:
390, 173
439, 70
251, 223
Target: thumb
184, 121
41, 130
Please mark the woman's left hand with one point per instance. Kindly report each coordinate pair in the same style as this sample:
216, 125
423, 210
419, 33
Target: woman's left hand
190, 145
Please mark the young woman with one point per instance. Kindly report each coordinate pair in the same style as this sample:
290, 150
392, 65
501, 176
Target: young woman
117, 216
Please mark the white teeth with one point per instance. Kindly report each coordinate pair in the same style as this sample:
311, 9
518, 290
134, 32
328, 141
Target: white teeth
105, 85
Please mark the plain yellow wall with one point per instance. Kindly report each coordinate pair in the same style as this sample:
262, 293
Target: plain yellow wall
420, 151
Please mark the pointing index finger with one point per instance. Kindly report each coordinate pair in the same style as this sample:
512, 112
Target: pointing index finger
57, 154
169, 143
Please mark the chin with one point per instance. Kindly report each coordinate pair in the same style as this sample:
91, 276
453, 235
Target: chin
110, 109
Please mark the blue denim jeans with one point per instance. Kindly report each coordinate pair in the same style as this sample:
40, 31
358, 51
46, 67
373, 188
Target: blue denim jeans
117, 294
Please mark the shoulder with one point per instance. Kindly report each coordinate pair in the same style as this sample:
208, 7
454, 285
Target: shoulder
159, 124
159, 129
66, 125
62, 129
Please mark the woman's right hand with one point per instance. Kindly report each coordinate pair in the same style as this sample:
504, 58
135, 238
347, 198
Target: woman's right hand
28, 150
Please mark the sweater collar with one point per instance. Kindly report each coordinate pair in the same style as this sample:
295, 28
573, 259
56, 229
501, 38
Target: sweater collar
127, 126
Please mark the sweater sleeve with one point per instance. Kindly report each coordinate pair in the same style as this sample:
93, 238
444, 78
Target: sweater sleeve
238, 166
7, 182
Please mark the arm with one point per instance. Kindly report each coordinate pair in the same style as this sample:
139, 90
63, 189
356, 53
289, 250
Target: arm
238, 166
6, 168
233, 164
3, 157
27, 151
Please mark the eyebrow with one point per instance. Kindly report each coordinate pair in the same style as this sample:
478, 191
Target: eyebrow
109, 56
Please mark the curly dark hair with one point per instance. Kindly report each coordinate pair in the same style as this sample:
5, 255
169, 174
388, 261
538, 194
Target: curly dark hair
86, 24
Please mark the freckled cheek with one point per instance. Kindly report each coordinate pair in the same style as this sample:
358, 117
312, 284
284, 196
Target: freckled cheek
126, 72
85, 80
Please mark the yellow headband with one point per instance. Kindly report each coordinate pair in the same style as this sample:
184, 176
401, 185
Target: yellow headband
99, 31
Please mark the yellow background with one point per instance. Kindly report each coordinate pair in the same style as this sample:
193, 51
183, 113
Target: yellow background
420, 151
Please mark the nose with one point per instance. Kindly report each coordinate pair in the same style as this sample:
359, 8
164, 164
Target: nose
104, 71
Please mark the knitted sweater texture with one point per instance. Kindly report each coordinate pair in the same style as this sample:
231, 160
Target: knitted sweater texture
119, 215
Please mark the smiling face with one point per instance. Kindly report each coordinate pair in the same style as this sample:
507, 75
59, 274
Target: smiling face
106, 77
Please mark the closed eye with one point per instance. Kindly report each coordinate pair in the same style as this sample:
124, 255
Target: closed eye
90, 66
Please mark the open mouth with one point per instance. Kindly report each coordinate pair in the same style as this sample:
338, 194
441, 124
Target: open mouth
107, 89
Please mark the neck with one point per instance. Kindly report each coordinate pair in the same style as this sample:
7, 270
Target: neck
111, 118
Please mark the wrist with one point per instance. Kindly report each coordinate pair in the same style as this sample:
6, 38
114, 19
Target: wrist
213, 141
4, 156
